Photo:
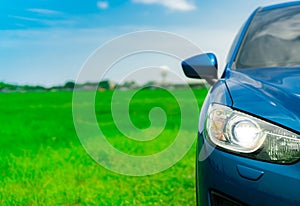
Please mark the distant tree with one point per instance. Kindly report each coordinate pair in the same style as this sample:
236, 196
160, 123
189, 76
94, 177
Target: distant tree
27, 87
2, 86
129, 84
150, 85
69, 85
104, 85
7, 86
39, 88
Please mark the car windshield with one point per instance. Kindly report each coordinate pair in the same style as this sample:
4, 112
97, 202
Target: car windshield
273, 40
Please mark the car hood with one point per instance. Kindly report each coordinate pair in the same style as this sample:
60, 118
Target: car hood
272, 94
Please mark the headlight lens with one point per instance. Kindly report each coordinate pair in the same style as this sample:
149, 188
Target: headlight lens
250, 136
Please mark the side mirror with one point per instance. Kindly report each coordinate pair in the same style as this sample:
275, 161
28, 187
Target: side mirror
202, 66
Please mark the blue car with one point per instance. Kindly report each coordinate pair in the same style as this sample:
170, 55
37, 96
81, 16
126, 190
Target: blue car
248, 147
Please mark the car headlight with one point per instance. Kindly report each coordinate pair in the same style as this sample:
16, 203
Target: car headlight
238, 132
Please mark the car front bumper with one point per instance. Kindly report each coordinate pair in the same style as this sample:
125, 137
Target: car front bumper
228, 179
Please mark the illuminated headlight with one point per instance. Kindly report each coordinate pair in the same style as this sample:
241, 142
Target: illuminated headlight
242, 133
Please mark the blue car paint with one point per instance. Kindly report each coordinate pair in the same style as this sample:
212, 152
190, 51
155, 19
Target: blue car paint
279, 184
249, 181
249, 173
217, 94
264, 95
276, 6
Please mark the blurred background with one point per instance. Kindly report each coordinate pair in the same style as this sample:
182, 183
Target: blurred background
46, 42
44, 45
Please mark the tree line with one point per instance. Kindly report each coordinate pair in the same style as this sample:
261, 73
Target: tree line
103, 85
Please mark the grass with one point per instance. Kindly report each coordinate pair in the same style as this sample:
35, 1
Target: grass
43, 163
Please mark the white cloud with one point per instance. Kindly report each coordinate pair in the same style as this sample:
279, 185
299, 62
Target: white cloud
179, 5
49, 22
44, 11
102, 5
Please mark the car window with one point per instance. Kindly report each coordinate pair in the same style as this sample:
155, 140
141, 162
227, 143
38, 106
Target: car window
272, 40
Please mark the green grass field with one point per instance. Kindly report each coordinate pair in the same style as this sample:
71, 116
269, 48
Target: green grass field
43, 163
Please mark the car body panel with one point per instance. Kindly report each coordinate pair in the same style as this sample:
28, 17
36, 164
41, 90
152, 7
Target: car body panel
219, 172
272, 95
277, 6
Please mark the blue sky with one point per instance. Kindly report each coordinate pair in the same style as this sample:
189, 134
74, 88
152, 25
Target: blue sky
46, 42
